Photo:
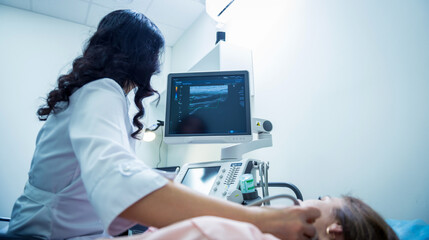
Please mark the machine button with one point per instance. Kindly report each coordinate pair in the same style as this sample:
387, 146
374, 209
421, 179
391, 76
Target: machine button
215, 189
218, 182
221, 176
224, 193
223, 170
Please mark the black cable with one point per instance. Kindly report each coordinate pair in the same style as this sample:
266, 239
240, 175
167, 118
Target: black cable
286, 185
267, 199
159, 148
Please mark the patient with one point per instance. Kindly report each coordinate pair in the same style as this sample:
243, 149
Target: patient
345, 218
349, 218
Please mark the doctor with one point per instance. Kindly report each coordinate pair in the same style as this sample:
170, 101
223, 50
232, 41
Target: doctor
85, 179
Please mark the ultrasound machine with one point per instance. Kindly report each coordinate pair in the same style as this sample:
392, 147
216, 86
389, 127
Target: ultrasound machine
214, 107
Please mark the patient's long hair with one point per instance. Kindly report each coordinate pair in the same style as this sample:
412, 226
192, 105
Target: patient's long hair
125, 48
361, 222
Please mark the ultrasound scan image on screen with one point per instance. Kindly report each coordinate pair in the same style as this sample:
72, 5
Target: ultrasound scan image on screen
201, 179
210, 104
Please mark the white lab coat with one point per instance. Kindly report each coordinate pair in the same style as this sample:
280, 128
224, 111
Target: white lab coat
84, 171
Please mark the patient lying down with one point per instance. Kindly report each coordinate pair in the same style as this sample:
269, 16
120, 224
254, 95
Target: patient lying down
345, 218
349, 218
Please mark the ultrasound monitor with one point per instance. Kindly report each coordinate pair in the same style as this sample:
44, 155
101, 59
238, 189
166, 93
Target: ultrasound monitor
208, 107
201, 179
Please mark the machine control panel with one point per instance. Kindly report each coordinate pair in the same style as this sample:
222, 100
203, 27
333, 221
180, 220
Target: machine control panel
218, 179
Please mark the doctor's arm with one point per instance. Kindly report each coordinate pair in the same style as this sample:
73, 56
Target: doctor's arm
174, 202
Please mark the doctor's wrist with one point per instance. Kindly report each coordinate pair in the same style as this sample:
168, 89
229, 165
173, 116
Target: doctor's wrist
257, 217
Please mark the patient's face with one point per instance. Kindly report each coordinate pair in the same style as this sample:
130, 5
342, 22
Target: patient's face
326, 205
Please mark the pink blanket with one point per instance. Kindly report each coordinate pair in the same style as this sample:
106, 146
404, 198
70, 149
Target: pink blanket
205, 228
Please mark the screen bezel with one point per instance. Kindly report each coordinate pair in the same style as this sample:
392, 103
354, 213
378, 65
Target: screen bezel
170, 138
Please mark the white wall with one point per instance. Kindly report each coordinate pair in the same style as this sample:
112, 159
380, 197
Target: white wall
346, 86
34, 50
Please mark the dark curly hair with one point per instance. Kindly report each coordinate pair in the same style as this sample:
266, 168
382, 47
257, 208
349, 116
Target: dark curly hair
361, 222
126, 48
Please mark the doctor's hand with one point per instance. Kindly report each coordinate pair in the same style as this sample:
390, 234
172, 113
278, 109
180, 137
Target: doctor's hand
292, 223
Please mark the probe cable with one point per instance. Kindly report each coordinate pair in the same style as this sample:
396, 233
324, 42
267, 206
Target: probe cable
266, 199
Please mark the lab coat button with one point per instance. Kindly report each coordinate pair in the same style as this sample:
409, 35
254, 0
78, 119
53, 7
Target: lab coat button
129, 168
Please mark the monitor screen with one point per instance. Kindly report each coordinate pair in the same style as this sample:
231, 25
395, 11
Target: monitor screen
201, 179
208, 107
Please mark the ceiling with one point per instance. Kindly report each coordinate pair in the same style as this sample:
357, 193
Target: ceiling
173, 17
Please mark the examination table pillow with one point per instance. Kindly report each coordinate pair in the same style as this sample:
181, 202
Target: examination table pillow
205, 228
410, 229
